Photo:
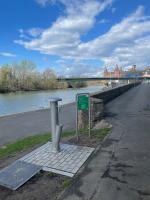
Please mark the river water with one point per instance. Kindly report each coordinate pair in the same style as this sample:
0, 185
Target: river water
27, 101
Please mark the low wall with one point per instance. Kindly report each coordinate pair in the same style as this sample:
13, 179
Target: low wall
112, 93
98, 100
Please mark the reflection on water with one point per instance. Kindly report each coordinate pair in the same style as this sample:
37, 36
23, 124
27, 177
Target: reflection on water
27, 101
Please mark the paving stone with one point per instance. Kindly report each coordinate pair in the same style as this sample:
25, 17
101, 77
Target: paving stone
17, 174
70, 159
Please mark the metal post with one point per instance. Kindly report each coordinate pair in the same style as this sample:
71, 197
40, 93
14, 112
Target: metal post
55, 127
77, 118
89, 117
83, 109
110, 80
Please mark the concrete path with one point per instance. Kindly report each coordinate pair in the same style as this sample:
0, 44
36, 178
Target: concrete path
120, 170
18, 126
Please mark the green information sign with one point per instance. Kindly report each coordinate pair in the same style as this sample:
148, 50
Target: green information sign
83, 102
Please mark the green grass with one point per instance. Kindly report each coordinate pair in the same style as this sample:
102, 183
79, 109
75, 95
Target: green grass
23, 144
31, 141
68, 133
66, 183
100, 134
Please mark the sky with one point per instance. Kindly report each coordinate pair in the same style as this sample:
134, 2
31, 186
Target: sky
76, 38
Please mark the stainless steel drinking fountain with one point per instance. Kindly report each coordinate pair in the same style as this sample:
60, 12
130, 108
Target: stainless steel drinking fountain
56, 128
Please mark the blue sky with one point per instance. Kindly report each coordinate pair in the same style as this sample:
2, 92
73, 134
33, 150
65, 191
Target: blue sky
75, 38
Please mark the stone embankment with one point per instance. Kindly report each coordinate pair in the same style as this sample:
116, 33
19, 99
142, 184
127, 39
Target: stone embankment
112, 93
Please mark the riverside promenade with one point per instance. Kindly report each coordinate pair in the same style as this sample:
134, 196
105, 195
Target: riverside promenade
120, 169
26, 124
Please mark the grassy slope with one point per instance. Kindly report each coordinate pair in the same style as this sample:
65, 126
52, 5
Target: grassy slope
31, 141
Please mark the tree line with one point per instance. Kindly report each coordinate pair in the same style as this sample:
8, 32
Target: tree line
24, 76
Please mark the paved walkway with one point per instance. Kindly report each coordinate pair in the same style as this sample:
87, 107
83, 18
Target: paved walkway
120, 170
18, 126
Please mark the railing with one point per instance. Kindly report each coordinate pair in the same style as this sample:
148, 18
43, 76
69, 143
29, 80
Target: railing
103, 78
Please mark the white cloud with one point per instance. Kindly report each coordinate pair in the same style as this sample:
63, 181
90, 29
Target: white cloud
78, 69
123, 43
30, 33
103, 21
126, 43
35, 32
63, 37
7, 54
42, 2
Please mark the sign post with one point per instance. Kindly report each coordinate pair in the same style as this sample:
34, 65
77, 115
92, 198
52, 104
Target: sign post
83, 104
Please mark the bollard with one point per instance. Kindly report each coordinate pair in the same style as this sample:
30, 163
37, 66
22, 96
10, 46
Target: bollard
56, 129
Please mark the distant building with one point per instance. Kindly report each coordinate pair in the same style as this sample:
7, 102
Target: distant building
146, 72
116, 73
133, 72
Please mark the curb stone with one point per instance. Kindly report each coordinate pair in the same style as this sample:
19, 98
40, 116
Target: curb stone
81, 170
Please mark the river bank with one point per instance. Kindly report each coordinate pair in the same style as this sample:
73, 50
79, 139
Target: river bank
56, 86
18, 126
31, 123
35, 120
28, 101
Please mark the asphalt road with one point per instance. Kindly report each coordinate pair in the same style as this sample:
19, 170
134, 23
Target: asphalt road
120, 170
18, 126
